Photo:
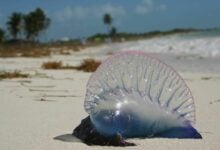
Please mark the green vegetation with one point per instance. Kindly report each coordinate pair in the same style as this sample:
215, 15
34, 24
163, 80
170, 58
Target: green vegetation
137, 36
113, 32
34, 23
107, 20
14, 24
25, 29
36, 49
24, 49
2, 35
31, 25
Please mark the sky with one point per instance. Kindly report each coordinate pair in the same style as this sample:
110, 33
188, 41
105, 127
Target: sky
81, 18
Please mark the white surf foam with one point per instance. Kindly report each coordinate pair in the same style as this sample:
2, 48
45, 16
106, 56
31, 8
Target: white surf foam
206, 47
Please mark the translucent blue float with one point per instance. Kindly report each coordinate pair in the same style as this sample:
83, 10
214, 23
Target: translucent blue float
136, 95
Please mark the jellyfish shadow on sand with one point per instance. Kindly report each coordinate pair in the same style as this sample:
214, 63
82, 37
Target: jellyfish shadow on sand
67, 138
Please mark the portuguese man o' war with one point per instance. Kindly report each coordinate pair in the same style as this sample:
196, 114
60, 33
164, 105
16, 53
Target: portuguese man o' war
136, 95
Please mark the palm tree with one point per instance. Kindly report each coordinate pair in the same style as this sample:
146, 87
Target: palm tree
35, 22
113, 31
14, 24
2, 35
107, 20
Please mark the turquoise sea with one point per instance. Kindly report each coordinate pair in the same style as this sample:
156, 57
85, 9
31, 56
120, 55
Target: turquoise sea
212, 33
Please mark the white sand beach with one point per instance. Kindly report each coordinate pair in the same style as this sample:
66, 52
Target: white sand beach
40, 112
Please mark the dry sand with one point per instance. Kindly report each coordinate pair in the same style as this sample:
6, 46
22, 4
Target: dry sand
39, 113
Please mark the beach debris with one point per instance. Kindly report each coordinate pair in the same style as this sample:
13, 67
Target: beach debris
11, 51
206, 78
52, 65
40, 75
87, 65
42, 99
189, 56
14, 74
215, 101
59, 96
45, 100
38, 86
210, 78
65, 52
110, 53
46, 90
135, 95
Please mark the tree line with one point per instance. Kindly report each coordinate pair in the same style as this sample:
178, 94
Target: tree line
26, 26
108, 20
29, 26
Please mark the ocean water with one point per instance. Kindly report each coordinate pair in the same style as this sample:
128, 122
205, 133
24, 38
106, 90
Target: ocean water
191, 52
204, 44
215, 33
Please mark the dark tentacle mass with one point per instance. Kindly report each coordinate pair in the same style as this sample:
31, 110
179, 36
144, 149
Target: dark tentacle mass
89, 135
